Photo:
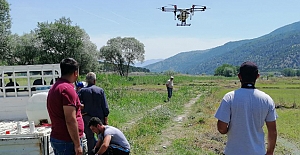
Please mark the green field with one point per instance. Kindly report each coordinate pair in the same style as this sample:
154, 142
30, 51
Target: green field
137, 107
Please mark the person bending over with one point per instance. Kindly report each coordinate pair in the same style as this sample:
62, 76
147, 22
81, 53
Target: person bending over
111, 141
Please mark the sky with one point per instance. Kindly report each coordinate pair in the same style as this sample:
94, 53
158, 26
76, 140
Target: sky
222, 22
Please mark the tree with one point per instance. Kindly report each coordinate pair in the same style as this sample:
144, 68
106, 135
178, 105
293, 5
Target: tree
112, 55
289, 72
26, 48
170, 73
133, 51
5, 25
122, 52
229, 72
226, 70
61, 40
88, 57
297, 72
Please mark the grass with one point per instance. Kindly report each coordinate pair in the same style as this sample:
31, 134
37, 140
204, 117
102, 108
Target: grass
147, 130
134, 99
284, 91
137, 107
288, 124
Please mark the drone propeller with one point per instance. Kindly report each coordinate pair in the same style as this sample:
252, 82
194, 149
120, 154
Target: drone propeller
203, 7
193, 9
196, 5
175, 10
162, 8
175, 6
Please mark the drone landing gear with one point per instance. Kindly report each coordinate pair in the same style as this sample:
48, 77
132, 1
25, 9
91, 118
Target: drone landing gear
183, 24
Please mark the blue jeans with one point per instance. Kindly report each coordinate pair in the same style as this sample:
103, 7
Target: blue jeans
61, 147
169, 92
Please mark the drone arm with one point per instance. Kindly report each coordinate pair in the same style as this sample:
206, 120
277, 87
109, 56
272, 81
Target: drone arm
199, 9
168, 10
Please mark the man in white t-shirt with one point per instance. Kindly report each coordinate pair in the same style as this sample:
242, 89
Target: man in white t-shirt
242, 114
169, 86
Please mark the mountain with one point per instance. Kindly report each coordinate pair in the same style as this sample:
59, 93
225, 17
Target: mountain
147, 62
272, 52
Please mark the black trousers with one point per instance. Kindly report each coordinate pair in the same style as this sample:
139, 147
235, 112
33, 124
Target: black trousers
91, 142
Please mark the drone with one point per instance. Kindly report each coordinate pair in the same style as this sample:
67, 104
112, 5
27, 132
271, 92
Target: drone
184, 14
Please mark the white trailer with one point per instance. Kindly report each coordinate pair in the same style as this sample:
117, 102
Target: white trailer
19, 83
23, 93
25, 142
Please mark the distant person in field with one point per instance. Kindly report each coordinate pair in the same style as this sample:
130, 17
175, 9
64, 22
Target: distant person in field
94, 104
242, 114
169, 86
111, 141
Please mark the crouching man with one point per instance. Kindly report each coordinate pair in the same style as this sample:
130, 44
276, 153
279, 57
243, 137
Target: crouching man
111, 141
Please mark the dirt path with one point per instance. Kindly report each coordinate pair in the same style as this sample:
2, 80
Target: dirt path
168, 135
288, 145
171, 133
133, 121
178, 118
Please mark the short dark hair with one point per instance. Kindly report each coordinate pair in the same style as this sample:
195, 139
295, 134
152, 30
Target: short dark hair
94, 121
248, 71
68, 66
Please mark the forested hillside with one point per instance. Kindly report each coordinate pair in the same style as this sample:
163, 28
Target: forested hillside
272, 52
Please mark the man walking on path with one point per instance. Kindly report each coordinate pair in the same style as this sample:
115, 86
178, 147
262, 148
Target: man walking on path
169, 86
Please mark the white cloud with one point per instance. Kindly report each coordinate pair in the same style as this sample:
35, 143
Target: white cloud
165, 47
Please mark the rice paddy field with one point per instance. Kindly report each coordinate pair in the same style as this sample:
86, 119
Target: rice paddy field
186, 124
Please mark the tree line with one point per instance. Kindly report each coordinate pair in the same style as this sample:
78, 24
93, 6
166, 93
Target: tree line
51, 42
289, 72
228, 70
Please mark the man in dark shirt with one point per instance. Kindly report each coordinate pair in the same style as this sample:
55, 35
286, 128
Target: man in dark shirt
94, 105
